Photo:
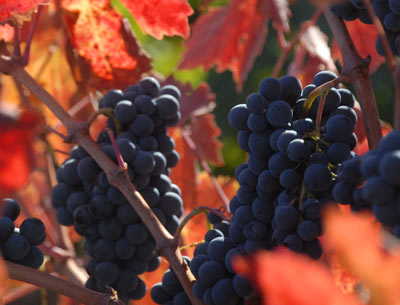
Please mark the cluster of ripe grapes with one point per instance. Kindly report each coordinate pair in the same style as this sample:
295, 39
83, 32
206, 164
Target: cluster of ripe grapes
19, 245
388, 11
119, 244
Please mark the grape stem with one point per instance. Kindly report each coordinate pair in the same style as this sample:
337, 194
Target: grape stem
198, 210
59, 285
358, 70
122, 165
77, 132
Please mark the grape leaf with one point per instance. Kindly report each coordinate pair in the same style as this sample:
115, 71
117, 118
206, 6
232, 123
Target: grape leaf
111, 55
159, 18
276, 277
18, 11
377, 267
311, 55
204, 133
230, 37
6, 33
193, 102
364, 37
16, 149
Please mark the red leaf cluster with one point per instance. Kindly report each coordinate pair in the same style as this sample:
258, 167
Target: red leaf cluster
159, 18
18, 10
230, 38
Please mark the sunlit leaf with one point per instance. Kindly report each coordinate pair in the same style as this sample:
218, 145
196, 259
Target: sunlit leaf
17, 11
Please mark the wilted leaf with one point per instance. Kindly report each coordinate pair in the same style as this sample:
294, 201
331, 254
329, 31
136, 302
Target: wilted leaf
17, 11
378, 269
230, 38
204, 133
159, 18
112, 54
6, 33
364, 37
285, 278
311, 55
16, 149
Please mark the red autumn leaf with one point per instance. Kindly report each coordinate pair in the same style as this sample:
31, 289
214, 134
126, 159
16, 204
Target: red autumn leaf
6, 33
159, 18
378, 268
312, 55
193, 102
364, 37
230, 37
111, 55
275, 275
204, 132
343, 278
16, 150
280, 14
18, 11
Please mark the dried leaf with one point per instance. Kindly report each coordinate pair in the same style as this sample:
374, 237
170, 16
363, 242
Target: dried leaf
283, 277
377, 267
364, 37
18, 11
204, 133
109, 49
230, 38
159, 18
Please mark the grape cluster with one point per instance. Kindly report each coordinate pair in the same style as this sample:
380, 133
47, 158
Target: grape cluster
292, 163
119, 244
20, 245
216, 282
372, 181
388, 11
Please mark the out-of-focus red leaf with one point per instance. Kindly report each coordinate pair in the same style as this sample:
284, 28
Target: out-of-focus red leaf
280, 14
16, 149
343, 278
378, 268
17, 11
205, 195
112, 56
230, 38
159, 18
6, 33
204, 133
311, 55
285, 278
364, 37
184, 174
193, 102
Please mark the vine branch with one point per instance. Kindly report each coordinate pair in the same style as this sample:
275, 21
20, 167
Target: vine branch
59, 285
358, 70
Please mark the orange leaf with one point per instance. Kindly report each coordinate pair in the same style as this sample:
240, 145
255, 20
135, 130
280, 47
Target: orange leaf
184, 174
18, 11
204, 133
283, 277
230, 37
364, 37
112, 56
379, 269
159, 18
16, 149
